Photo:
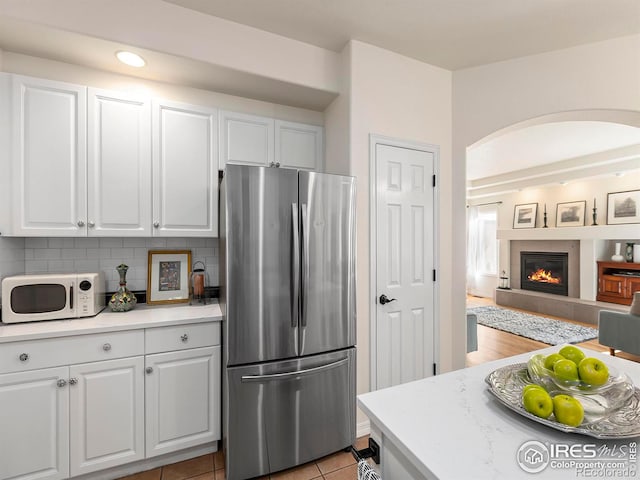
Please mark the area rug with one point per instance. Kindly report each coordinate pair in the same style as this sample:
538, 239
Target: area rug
542, 329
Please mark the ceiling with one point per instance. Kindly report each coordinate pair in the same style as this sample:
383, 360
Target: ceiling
452, 34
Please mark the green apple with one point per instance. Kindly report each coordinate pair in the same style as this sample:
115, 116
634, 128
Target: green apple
573, 353
551, 359
566, 370
593, 371
532, 386
538, 402
568, 410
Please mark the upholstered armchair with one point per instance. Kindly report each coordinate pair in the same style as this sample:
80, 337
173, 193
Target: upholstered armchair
619, 331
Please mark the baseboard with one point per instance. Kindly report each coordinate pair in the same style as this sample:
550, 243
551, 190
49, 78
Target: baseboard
363, 428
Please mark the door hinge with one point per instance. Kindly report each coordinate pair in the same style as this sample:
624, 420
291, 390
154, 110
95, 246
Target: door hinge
434, 274
434, 369
434, 180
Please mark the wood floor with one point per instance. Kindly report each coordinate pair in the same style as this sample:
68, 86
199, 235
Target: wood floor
495, 344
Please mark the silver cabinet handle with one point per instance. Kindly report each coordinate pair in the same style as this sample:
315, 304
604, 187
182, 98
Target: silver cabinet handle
184, 337
91, 224
24, 357
149, 370
80, 223
106, 347
156, 224
61, 383
73, 381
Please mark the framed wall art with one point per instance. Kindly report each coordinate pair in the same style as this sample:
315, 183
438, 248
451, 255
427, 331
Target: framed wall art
524, 216
623, 207
168, 276
571, 214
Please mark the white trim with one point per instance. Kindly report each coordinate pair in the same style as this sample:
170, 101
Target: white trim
363, 428
422, 147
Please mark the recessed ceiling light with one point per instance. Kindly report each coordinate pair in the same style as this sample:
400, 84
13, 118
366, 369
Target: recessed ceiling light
130, 58
563, 182
619, 174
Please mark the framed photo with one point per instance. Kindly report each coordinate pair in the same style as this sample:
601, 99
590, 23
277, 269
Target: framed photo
623, 207
525, 215
168, 276
571, 214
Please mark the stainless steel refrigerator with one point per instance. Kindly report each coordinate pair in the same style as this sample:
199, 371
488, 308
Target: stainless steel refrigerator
287, 293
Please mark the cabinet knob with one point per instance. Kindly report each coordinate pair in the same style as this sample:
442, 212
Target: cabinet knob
80, 223
24, 357
61, 383
91, 224
156, 224
73, 381
106, 347
184, 337
149, 370
277, 164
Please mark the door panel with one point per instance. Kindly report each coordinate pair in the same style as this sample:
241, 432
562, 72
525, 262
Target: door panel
327, 205
287, 413
404, 251
261, 316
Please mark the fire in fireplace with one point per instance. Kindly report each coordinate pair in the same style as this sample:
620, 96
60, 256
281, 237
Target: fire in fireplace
544, 272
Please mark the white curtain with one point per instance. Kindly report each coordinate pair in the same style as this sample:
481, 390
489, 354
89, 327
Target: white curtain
482, 249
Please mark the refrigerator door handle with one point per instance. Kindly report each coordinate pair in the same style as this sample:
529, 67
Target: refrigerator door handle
295, 266
305, 264
294, 374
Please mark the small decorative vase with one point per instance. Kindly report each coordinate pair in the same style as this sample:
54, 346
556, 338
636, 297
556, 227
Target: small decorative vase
636, 253
123, 300
628, 252
617, 257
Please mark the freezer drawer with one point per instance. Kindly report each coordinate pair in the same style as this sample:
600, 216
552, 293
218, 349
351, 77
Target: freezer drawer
282, 414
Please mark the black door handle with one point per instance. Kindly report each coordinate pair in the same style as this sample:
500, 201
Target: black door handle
384, 300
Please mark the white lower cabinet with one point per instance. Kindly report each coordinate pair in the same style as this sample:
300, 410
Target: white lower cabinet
34, 425
106, 405
182, 399
84, 403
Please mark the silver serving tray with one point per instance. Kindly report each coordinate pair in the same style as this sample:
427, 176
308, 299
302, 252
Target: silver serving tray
506, 384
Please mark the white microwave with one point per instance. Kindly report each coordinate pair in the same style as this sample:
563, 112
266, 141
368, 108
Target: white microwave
31, 298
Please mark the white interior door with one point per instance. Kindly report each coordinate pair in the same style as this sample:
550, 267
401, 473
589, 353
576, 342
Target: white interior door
404, 256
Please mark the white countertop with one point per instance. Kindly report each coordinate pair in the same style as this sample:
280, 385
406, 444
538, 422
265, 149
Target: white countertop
142, 316
451, 427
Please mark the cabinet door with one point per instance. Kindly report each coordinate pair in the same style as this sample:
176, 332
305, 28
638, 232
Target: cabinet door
612, 285
633, 286
48, 158
119, 164
299, 145
182, 399
34, 425
185, 169
246, 139
107, 414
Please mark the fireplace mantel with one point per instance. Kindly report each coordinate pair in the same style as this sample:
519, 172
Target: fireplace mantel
598, 232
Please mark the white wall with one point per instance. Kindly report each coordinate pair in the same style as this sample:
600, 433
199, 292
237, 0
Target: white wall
399, 97
603, 75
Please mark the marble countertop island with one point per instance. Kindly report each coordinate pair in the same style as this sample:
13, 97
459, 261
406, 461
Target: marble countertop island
451, 427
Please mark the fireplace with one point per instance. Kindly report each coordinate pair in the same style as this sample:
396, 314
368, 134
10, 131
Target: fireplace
544, 272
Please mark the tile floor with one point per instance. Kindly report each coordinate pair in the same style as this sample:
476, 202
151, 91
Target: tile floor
338, 466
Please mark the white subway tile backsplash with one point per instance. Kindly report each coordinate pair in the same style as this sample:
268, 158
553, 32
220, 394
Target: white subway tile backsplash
35, 243
67, 255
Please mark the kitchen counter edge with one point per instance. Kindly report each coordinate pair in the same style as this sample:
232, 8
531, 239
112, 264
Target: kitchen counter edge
143, 316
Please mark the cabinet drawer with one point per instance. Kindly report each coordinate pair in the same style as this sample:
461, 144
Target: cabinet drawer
181, 337
51, 352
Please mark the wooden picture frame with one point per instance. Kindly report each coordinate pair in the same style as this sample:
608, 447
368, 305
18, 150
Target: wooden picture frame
623, 207
571, 214
525, 215
168, 275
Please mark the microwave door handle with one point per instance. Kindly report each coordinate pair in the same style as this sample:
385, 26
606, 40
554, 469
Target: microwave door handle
71, 297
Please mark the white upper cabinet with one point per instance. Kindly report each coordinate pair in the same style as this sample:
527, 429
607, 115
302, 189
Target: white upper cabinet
185, 170
246, 139
48, 158
119, 164
299, 145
